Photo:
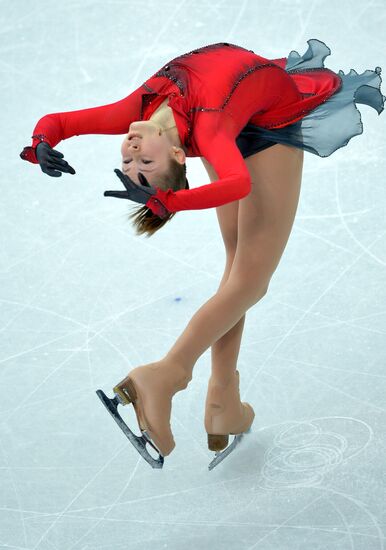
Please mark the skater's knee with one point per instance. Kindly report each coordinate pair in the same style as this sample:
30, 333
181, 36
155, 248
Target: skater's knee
248, 290
258, 293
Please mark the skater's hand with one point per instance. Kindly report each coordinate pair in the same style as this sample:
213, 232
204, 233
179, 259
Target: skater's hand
134, 191
51, 161
142, 193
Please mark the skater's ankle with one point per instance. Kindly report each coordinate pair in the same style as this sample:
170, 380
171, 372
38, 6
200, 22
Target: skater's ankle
180, 374
221, 378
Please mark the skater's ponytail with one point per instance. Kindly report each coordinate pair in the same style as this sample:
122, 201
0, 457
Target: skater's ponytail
144, 220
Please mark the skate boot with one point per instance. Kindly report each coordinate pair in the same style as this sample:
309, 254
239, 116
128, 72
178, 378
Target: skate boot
150, 388
225, 415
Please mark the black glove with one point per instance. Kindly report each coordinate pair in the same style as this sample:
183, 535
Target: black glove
134, 191
144, 194
51, 161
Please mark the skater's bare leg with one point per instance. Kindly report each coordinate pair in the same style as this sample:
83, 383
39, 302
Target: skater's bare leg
265, 219
225, 351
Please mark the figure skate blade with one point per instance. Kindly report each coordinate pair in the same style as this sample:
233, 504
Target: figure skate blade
138, 442
220, 455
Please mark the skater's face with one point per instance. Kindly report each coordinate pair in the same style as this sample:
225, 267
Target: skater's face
149, 153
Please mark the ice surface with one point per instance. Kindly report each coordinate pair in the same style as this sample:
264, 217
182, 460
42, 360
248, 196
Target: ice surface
83, 301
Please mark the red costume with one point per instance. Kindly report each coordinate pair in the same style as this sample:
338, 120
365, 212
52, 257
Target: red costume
214, 92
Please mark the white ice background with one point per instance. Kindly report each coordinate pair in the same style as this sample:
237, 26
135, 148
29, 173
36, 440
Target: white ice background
83, 301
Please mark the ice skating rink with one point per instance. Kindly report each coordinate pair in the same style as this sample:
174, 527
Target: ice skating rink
83, 301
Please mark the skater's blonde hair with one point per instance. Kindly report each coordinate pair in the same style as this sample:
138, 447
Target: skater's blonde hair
144, 220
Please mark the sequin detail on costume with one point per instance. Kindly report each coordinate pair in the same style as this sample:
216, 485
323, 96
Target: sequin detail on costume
167, 71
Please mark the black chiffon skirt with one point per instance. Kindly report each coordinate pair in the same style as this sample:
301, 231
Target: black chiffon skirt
329, 126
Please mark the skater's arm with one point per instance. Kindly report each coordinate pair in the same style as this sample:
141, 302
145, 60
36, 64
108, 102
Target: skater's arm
113, 118
233, 183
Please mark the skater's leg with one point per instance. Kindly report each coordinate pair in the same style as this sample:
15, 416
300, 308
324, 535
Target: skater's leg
265, 220
225, 351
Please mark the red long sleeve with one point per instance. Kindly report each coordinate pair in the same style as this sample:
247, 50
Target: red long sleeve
113, 118
215, 140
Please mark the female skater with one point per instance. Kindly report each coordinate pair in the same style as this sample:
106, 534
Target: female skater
250, 119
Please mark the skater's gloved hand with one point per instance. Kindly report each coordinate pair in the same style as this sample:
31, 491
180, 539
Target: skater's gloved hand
142, 193
51, 161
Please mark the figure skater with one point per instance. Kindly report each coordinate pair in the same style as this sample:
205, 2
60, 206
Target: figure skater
249, 119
